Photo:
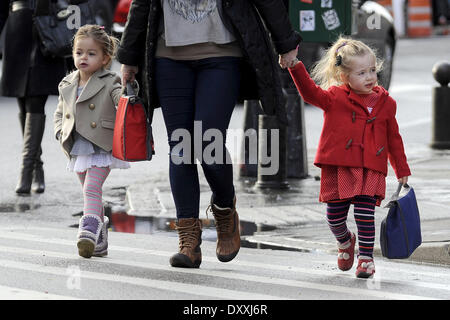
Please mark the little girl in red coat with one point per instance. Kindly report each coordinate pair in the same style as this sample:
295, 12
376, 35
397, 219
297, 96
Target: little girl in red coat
359, 135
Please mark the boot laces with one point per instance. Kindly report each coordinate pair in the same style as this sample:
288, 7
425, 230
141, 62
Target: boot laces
188, 236
224, 221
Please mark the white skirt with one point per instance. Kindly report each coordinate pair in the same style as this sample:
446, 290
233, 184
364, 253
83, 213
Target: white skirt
83, 162
85, 155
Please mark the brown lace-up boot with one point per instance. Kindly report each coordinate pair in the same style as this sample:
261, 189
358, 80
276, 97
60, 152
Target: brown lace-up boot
190, 238
228, 235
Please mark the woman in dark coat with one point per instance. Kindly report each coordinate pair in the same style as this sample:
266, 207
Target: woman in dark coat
31, 78
197, 59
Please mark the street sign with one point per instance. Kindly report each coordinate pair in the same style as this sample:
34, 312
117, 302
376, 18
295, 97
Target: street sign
321, 20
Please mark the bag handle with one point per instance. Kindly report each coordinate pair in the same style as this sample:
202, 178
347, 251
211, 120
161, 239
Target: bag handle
129, 90
396, 194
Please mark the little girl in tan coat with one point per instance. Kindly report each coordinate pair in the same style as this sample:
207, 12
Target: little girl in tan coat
84, 125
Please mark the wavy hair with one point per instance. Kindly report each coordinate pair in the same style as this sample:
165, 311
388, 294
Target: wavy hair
108, 43
337, 59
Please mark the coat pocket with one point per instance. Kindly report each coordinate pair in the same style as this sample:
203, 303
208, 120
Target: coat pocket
108, 124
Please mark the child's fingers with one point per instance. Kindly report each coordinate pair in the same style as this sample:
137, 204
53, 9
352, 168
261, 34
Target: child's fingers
403, 180
128, 73
127, 77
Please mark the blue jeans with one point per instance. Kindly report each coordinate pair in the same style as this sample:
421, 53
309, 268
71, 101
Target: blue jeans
206, 91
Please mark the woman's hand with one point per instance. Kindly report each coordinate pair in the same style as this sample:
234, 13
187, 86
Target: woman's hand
128, 73
403, 180
289, 59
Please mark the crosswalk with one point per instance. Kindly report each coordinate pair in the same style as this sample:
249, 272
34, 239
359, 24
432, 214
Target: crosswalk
42, 263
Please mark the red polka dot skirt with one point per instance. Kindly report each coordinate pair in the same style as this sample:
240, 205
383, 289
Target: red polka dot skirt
348, 182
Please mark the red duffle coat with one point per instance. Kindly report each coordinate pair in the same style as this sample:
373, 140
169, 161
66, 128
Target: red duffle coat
352, 137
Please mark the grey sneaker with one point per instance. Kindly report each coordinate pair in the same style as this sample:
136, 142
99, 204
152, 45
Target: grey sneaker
89, 231
101, 248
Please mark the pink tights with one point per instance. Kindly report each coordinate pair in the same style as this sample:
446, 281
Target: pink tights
92, 182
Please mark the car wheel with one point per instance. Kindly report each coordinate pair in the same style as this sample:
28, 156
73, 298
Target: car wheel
384, 77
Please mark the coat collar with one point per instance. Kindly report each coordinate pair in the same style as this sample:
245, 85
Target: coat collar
93, 86
352, 96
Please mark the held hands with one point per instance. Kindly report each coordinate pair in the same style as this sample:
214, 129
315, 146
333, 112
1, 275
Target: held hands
128, 73
289, 59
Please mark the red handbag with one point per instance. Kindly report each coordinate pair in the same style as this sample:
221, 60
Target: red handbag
133, 138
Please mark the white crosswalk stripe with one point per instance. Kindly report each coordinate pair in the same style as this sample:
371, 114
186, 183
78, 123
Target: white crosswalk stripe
44, 253
10, 293
152, 283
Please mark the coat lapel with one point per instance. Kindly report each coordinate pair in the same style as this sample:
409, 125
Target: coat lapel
69, 92
380, 103
93, 86
355, 98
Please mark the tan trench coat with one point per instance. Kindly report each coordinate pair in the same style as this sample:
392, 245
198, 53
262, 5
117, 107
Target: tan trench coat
93, 114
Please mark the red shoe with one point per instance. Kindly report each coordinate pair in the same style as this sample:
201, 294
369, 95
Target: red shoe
365, 269
346, 253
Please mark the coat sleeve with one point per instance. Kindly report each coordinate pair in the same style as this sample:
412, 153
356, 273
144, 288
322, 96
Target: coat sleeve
308, 89
396, 154
132, 44
57, 118
116, 91
275, 17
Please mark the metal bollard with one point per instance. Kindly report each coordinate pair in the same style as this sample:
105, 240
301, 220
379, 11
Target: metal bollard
441, 106
252, 109
272, 160
297, 159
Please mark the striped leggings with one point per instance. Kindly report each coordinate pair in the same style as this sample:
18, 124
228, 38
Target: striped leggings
364, 210
92, 182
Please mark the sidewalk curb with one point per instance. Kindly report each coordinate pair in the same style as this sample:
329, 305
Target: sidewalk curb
436, 253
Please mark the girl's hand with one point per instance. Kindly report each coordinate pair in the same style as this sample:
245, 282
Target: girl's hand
289, 59
128, 73
403, 180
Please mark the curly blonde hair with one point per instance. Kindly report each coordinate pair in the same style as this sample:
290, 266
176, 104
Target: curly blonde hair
337, 59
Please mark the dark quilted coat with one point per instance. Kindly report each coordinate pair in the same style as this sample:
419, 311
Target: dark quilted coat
25, 71
247, 20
